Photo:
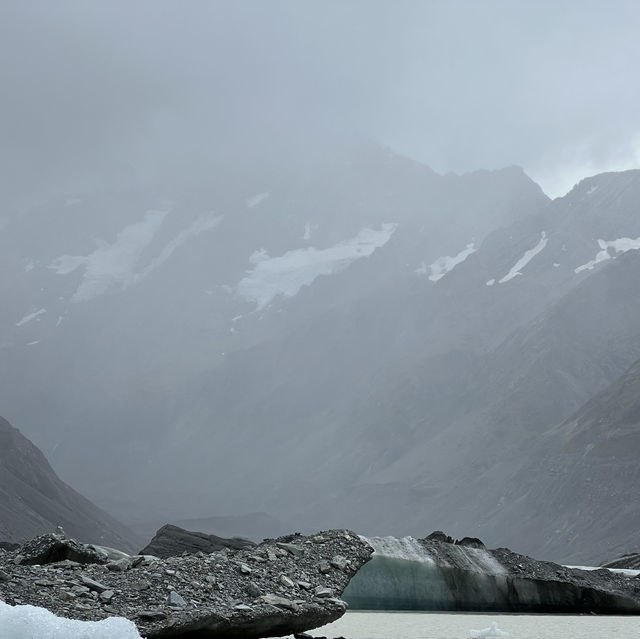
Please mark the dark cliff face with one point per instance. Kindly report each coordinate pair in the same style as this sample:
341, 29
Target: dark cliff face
33, 499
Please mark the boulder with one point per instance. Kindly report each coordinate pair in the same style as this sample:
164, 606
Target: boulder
52, 548
173, 541
199, 594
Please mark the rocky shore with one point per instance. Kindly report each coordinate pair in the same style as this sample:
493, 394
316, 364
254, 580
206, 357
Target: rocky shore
280, 587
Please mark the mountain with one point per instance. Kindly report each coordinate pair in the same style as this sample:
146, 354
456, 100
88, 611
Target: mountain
33, 500
584, 478
356, 342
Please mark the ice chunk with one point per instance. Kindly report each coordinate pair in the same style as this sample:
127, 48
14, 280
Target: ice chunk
29, 622
491, 631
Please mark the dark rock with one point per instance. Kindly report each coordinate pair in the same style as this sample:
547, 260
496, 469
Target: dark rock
151, 615
9, 545
438, 535
470, 542
51, 548
92, 584
172, 541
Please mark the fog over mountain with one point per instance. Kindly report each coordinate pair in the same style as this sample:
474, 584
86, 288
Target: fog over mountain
268, 262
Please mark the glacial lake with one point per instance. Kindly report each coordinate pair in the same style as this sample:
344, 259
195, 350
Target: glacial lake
433, 625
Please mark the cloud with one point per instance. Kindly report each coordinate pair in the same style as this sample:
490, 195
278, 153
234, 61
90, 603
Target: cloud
114, 90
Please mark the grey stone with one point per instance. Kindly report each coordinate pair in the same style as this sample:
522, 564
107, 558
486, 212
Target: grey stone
252, 590
92, 584
321, 591
175, 600
294, 549
286, 581
339, 562
324, 567
244, 569
139, 585
280, 602
151, 615
4, 576
107, 596
120, 565
305, 585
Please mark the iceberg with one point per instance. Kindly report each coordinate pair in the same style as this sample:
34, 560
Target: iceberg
491, 631
30, 622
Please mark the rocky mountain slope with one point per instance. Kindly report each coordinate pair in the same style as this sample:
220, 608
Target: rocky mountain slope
33, 500
359, 342
584, 476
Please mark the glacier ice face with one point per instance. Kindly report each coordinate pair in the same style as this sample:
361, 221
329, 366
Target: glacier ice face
30, 622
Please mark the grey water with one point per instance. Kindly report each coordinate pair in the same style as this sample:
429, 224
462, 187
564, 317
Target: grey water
430, 625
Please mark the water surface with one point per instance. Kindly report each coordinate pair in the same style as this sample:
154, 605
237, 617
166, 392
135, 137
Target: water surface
429, 625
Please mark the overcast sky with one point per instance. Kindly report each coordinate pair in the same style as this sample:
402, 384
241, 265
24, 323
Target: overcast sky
92, 87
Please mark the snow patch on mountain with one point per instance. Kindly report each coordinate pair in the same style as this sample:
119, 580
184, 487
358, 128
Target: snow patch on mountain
114, 265
31, 316
254, 200
621, 245
516, 269
287, 274
202, 224
446, 263
111, 265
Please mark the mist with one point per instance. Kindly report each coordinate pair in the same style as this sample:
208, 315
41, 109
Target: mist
139, 92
